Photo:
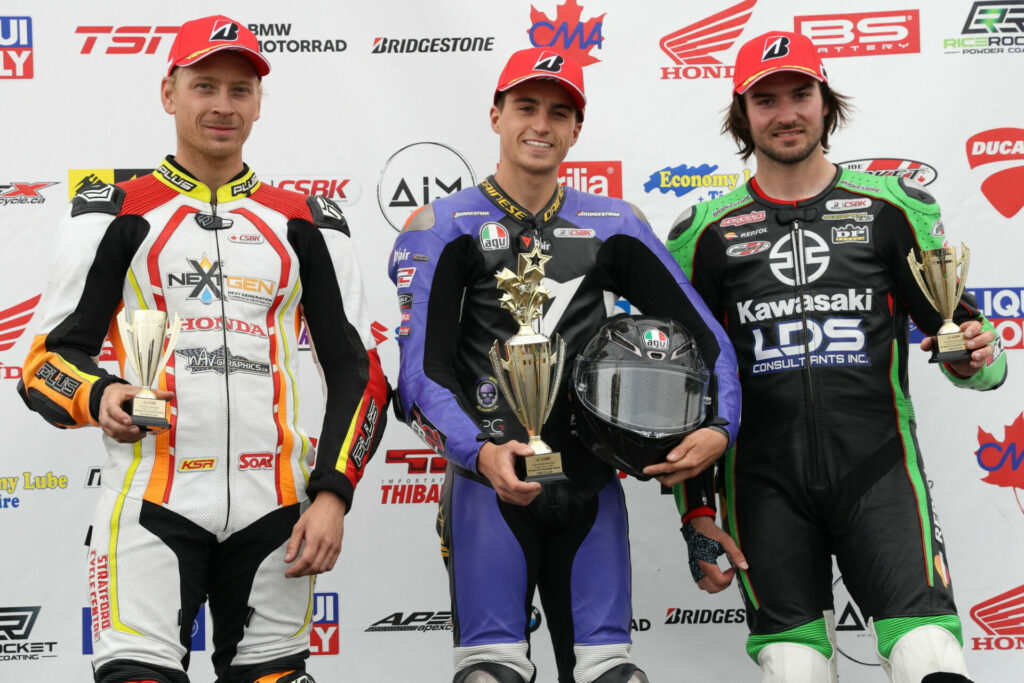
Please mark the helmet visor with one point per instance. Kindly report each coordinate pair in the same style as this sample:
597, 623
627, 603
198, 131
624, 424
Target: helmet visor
652, 400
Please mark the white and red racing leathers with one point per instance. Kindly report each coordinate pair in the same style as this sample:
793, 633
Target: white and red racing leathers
242, 266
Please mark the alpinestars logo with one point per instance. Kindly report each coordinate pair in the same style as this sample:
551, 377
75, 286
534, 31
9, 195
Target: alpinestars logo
1002, 188
775, 48
692, 47
1002, 618
224, 30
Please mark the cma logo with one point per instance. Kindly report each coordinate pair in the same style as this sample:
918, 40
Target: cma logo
799, 258
796, 337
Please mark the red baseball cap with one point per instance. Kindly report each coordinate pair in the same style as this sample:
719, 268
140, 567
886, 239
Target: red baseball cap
773, 52
551, 65
200, 38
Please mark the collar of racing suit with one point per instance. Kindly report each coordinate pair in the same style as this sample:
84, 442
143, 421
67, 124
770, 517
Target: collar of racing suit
759, 194
500, 199
176, 177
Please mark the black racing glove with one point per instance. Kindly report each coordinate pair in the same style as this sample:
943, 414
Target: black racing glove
700, 547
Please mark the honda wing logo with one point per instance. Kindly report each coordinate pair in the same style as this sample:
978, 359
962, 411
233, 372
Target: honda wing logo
13, 321
693, 47
16, 622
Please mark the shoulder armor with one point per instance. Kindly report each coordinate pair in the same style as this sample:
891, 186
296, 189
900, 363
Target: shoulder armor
98, 199
681, 223
326, 214
638, 213
423, 219
916, 191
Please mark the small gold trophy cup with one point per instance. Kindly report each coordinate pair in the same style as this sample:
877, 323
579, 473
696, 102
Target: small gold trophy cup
937, 276
143, 341
534, 372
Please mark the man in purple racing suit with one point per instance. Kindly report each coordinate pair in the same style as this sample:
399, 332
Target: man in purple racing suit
502, 537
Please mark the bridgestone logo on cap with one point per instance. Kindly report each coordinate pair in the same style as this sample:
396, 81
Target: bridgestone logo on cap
775, 48
228, 31
549, 62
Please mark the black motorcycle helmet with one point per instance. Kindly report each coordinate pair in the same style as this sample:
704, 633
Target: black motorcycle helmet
637, 388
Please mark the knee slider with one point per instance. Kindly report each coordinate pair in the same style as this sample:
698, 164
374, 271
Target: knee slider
623, 673
795, 663
488, 672
924, 650
131, 671
286, 677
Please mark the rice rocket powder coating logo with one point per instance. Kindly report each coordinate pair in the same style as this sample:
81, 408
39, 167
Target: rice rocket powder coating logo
1002, 188
655, 339
416, 175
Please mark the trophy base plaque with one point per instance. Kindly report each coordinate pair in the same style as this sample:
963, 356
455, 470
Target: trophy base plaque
148, 413
949, 348
545, 468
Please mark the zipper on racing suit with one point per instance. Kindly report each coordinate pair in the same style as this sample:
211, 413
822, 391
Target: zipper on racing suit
227, 365
808, 214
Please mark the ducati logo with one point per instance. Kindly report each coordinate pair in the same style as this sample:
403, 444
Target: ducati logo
799, 259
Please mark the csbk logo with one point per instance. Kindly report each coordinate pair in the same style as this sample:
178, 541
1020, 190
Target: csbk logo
693, 47
1002, 188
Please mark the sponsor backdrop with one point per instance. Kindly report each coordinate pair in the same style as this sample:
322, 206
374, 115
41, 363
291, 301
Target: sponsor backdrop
383, 107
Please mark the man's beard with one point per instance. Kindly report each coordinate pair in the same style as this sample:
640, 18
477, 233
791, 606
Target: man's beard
792, 155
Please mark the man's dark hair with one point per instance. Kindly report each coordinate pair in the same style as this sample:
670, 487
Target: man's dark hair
737, 125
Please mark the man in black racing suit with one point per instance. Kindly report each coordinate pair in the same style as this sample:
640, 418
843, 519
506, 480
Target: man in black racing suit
806, 266
502, 537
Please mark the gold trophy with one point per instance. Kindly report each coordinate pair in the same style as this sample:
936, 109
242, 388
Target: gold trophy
534, 372
937, 276
143, 341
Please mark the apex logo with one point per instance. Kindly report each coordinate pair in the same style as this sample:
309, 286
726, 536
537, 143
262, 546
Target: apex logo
567, 33
1002, 188
693, 47
1002, 618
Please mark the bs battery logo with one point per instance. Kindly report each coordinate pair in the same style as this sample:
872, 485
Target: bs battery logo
568, 32
863, 34
694, 48
16, 47
1004, 147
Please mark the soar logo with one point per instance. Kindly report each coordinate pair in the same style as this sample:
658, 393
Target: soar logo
1002, 458
1002, 188
683, 179
693, 47
566, 32
198, 631
323, 637
16, 47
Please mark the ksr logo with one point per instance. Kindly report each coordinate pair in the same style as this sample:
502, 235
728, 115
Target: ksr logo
125, 40
1002, 188
567, 32
1002, 458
